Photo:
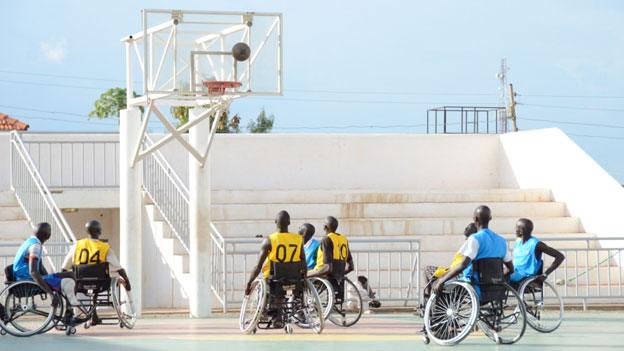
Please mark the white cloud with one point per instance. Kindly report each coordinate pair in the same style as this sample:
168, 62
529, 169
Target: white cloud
54, 51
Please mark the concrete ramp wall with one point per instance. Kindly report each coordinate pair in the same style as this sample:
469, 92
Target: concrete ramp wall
549, 159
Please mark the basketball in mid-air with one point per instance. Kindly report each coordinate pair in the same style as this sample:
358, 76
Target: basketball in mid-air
241, 51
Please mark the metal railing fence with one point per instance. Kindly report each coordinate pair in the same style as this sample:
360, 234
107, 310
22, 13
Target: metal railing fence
391, 265
80, 162
592, 270
168, 193
34, 197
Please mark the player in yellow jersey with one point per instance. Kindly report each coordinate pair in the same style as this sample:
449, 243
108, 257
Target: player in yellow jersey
334, 257
92, 250
281, 246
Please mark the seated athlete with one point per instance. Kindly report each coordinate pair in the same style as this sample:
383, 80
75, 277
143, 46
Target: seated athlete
281, 246
27, 265
92, 250
527, 254
334, 251
434, 272
311, 245
483, 244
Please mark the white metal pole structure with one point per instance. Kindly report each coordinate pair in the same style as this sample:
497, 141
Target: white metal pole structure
130, 178
200, 295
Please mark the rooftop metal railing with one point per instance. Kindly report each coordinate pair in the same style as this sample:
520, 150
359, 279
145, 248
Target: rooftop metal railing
79, 161
34, 197
168, 193
391, 265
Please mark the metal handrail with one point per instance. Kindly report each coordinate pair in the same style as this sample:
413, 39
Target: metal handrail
174, 205
58, 222
393, 270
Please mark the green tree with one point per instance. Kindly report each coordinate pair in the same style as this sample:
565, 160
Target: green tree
226, 124
262, 124
110, 103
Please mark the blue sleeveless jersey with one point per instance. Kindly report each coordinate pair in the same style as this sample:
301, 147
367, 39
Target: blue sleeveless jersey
20, 263
526, 263
491, 245
311, 249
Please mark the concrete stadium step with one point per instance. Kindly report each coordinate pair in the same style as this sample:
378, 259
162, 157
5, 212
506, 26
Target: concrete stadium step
7, 199
398, 226
11, 213
371, 196
172, 250
14, 230
231, 212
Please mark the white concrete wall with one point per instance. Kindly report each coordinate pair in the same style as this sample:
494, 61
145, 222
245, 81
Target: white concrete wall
549, 159
357, 161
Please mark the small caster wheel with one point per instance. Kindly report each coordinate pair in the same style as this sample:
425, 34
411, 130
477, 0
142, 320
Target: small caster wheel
121, 325
253, 331
288, 328
426, 340
70, 331
3, 332
87, 325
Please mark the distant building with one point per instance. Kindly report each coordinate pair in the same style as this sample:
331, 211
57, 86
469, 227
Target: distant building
9, 123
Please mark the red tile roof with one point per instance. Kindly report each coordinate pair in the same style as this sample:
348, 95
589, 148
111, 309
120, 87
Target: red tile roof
10, 123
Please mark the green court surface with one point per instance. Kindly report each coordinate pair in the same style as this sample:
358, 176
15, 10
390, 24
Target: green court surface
580, 331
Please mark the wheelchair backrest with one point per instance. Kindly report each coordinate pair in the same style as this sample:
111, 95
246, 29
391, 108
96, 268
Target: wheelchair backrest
92, 277
338, 269
286, 271
8, 274
490, 278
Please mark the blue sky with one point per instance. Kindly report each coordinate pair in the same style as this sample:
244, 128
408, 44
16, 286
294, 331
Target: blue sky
566, 59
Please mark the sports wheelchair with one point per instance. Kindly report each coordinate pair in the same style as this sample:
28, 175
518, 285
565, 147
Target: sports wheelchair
340, 298
26, 309
285, 299
490, 304
544, 306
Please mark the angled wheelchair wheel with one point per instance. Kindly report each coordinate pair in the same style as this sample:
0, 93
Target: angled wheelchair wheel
252, 307
347, 310
544, 306
504, 320
450, 316
28, 310
326, 294
123, 304
310, 313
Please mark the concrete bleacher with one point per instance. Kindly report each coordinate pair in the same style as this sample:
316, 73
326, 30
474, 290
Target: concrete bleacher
437, 218
14, 227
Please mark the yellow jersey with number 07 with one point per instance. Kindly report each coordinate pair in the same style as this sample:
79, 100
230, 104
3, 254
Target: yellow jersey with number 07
285, 247
340, 250
89, 251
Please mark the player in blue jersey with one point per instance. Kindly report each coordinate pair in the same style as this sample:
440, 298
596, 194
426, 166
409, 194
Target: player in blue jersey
311, 245
483, 244
527, 254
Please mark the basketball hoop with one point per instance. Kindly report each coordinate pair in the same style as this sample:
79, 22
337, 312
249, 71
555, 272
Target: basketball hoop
217, 87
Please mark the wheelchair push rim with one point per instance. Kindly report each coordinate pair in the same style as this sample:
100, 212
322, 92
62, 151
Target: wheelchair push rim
352, 300
27, 309
543, 304
504, 321
123, 304
450, 316
252, 306
311, 309
325, 292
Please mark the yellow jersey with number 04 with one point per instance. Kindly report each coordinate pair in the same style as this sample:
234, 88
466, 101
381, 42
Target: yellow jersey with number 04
285, 247
89, 251
340, 250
